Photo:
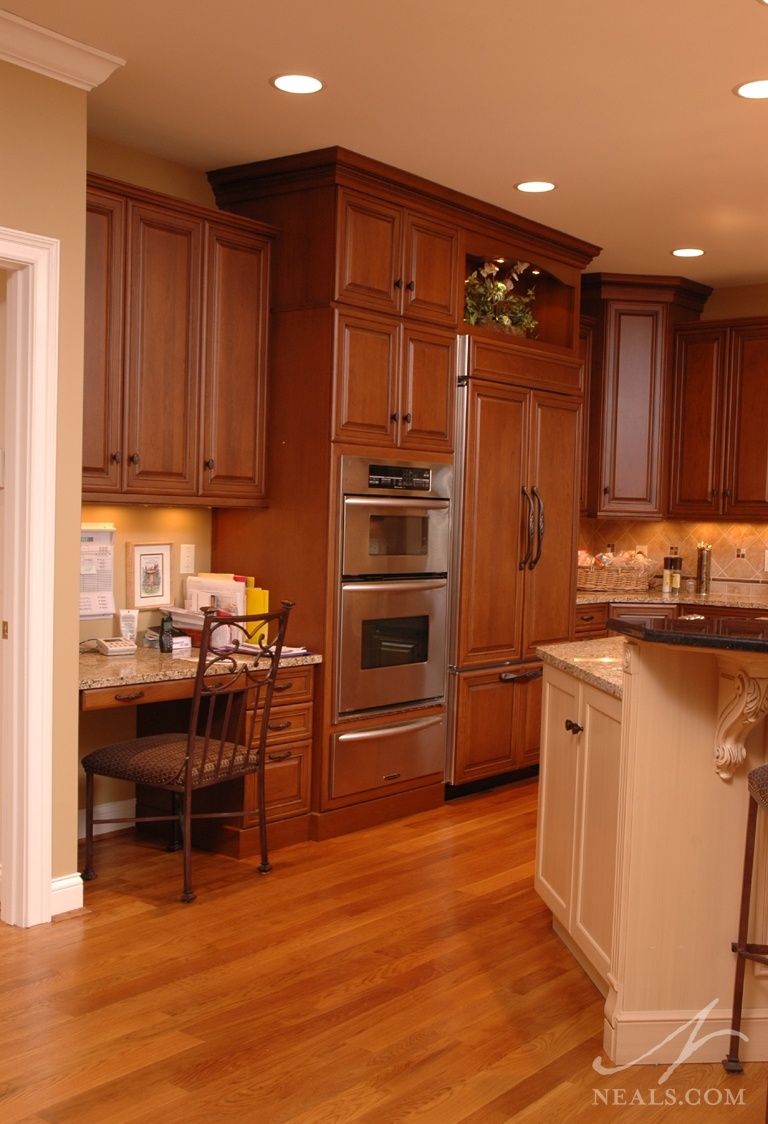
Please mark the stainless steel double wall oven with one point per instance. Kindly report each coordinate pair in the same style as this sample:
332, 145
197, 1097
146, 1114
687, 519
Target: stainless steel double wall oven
395, 545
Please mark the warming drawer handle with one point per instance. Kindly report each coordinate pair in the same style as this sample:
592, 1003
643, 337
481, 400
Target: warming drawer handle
520, 676
131, 697
392, 731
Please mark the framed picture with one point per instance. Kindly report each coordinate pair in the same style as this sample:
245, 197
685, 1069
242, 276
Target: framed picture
148, 574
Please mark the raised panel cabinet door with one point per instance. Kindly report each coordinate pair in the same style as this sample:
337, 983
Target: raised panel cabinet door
496, 711
428, 394
431, 275
163, 352
698, 419
632, 404
367, 379
745, 484
232, 450
553, 479
495, 524
556, 822
103, 356
369, 253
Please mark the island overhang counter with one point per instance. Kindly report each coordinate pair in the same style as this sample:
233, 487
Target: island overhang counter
647, 740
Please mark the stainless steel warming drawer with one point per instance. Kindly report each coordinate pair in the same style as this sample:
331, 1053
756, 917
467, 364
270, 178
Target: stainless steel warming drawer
382, 755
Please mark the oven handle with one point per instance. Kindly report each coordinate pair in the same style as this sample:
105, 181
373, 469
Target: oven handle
417, 503
415, 585
392, 731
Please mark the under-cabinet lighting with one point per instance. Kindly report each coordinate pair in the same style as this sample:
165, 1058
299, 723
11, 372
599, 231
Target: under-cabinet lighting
535, 185
296, 83
758, 89
687, 252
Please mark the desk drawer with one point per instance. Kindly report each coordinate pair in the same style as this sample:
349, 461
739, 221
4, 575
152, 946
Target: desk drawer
102, 698
289, 724
293, 684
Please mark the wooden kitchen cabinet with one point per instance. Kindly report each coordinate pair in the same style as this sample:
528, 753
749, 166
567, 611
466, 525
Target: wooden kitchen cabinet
631, 355
175, 373
641, 612
578, 818
396, 385
391, 259
589, 621
499, 717
719, 457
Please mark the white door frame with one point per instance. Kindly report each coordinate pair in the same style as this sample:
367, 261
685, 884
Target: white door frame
26, 691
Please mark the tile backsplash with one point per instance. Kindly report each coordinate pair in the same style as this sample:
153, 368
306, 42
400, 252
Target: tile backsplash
728, 541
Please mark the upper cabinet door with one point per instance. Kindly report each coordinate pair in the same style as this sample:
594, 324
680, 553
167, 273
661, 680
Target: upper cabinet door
103, 372
234, 392
392, 260
698, 414
745, 473
368, 259
162, 351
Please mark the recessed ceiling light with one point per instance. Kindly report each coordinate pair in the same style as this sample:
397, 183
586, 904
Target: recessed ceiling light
296, 83
758, 89
535, 185
687, 252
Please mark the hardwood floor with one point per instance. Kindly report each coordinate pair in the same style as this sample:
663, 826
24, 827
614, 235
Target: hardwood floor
404, 973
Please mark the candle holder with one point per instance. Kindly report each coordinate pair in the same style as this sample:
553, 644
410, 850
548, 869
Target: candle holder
703, 568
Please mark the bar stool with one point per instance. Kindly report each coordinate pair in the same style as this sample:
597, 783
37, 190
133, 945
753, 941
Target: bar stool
757, 784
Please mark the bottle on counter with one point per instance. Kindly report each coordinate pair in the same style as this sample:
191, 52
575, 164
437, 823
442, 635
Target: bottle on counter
666, 577
677, 574
703, 567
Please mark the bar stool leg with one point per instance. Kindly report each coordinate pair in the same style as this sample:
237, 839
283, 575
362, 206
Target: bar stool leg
731, 1061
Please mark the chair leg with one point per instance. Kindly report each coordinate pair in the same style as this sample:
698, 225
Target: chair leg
188, 894
88, 873
261, 785
731, 1062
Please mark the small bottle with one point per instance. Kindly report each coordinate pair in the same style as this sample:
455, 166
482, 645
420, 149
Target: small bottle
166, 634
666, 577
677, 574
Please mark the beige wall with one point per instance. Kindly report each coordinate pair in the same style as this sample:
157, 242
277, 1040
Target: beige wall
741, 300
153, 172
42, 185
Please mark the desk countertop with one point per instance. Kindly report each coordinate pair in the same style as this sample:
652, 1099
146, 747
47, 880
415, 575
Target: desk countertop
149, 665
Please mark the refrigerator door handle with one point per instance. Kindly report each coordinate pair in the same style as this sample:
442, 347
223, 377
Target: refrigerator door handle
535, 492
531, 525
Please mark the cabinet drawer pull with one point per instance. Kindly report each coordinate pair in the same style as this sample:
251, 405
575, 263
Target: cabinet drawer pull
131, 697
574, 727
282, 687
390, 776
587, 617
279, 756
279, 725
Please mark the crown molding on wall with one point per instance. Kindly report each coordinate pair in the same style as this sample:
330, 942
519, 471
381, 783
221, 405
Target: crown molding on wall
36, 48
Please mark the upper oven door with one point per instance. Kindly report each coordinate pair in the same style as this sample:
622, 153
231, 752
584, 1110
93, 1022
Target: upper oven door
387, 536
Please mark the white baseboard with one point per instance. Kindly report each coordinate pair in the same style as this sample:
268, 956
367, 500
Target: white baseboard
117, 808
66, 894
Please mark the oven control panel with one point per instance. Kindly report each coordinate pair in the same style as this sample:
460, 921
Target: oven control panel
400, 478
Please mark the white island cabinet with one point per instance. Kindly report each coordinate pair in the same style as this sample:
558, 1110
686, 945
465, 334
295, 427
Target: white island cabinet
646, 746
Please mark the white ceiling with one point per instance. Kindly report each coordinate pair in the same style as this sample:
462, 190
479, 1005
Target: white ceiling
628, 107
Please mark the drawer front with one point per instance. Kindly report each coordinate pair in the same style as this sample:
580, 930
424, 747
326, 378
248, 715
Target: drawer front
287, 784
590, 619
288, 724
293, 684
102, 698
387, 756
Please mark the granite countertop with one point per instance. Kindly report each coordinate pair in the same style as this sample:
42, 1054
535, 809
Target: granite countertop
744, 599
148, 665
737, 634
598, 662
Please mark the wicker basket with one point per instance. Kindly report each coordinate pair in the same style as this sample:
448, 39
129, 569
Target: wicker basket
609, 578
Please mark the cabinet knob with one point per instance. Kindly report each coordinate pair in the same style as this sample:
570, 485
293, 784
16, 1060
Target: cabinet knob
411, 286
398, 283
117, 457
209, 463
134, 458
726, 492
394, 417
574, 727
406, 417
714, 492
606, 490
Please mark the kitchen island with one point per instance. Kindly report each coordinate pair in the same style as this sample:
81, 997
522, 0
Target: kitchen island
643, 802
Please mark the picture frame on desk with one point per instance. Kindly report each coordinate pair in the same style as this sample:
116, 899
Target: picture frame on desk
148, 574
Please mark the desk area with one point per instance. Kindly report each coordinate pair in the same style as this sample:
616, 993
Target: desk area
136, 683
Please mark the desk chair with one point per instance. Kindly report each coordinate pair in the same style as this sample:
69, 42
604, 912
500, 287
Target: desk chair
225, 740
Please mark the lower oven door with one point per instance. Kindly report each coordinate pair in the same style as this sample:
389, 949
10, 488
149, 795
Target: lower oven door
392, 648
